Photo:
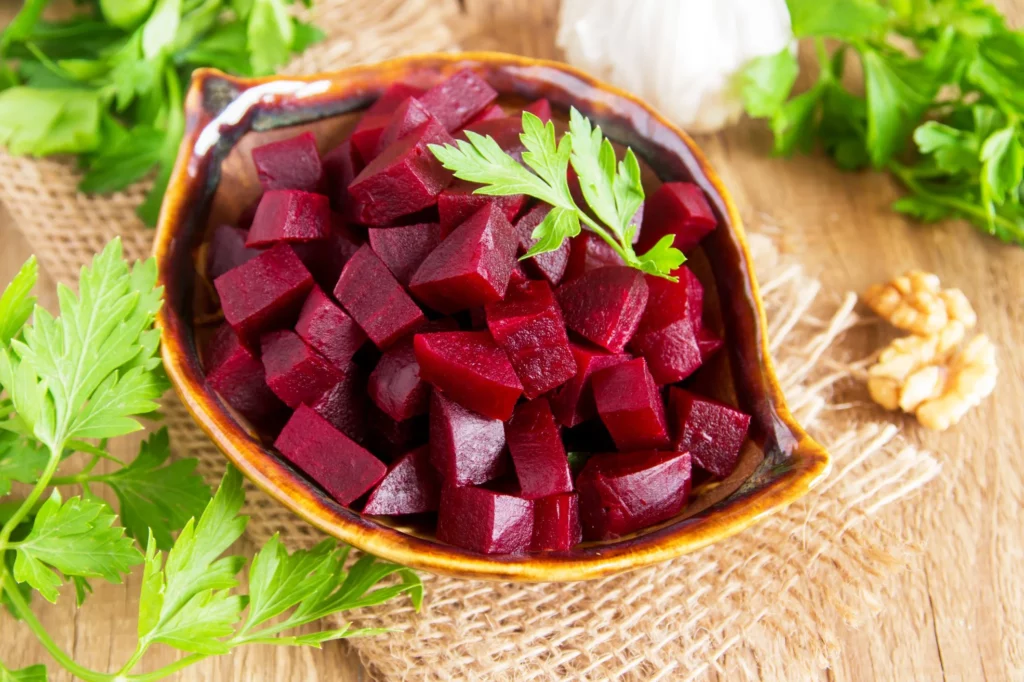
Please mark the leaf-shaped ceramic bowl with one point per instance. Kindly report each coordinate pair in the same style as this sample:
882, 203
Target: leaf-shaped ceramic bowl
213, 181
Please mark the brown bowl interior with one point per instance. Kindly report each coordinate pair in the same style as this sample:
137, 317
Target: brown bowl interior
214, 181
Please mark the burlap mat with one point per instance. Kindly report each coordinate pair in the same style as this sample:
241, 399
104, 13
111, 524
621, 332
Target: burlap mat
763, 605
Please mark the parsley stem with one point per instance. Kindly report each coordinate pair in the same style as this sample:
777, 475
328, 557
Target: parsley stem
83, 476
165, 671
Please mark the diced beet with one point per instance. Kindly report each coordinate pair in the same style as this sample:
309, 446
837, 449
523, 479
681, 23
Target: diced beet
341, 166
345, 470
409, 116
375, 300
459, 98
625, 492
287, 215
227, 250
295, 372
517, 277
403, 248
605, 305
573, 403
466, 447
667, 333
538, 455
344, 405
551, 265
588, 252
489, 114
630, 406
712, 432
678, 208
328, 330
389, 438
411, 486
325, 258
471, 369
528, 326
236, 373
405, 178
458, 203
505, 131
265, 292
293, 163
540, 108
708, 342
395, 385
556, 523
367, 132
471, 267
485, 521
669, 301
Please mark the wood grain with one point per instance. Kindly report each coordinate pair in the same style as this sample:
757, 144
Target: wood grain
957, 614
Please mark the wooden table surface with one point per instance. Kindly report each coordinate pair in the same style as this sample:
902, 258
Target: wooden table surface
956, 614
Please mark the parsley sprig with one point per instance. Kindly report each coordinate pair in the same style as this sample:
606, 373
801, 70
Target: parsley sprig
942, 74
67, 385
612, 189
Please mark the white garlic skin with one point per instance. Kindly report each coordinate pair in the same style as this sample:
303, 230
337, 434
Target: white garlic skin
681, 56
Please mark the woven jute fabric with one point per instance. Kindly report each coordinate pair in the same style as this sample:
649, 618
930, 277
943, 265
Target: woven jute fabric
765, 604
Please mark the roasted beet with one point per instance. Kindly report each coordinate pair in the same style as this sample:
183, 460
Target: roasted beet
226, 250
667, 334
368, 131
403, 248
556, 523
712, 432
630, 405
403, 179
345, 470
605, 305
625, 492
540, 108
458, 202
539, 458
293, 163
528, 326
325, 258
341, 166
588, 252
471, 369
409, 116
328, 330
286, 215
264, 293
573, 403
344, 404
471, 267
395, 385
375, 300
678, 208
456, 100
236, 373
295, 372
549, 266
485, 521
411, 486
466, 447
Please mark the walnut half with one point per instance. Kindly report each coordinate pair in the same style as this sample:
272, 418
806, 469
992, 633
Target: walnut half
916, 302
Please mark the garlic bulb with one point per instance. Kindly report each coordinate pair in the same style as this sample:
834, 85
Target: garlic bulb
679, 55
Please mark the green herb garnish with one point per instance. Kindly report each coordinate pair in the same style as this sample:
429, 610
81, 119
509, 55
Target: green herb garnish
611, 188
943, 73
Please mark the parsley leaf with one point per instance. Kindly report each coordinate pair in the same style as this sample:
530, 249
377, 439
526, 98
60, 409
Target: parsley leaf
33, 673
765, 83
836, 19
17, 301
1003, 163
19, 461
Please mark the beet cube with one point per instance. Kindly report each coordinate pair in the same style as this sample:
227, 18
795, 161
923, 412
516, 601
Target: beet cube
456, 100
573, 403
471, 267
678, 208
403, 248
389, 438
342, 468
403, 179
551, 265
540, 108
489, 114
556, 523
325, 258
457, 203
669, 302
485, 521
528, 326
411, 486
504, 131
236, 373
293, 163
625, 492
466, 447
395, 385
368, 131
295, 372
667, 333
375, 300
538, 455
344, 405
471, 369
588, 252
708, 342
605, 305
265, 292
328, 330
409, 116
630, 406
341, 166
226, 250
286, 215
712, 432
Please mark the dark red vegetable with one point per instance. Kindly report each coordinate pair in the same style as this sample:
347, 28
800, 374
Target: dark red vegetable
227, 250
456, 100
677, 208
550, 265
630, 406
485, 521
411, 486
325, 258
295, 372
409, 116
404, 248
292, 163
556, 523
588, 252
341, 166
573, 403
465, 447
489, 114
712, 432
367, 132
538, 455
605, 305
344, 404
328, 330
458, 202
395, 385
540, 108
236, 373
